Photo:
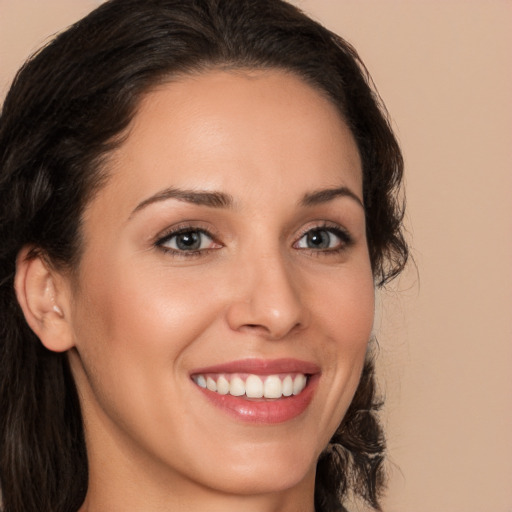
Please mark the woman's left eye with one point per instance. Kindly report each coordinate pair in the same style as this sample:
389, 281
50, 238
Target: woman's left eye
324, 239
189, 240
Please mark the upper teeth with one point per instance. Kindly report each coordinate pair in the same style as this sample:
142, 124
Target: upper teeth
253, 386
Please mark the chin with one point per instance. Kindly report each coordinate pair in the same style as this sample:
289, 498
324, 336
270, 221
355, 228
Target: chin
267, 470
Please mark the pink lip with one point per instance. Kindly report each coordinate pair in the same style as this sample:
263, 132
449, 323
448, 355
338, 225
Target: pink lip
261, 367
263, 411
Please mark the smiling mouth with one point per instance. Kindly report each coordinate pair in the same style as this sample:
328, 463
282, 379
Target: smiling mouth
259, 391
252, 386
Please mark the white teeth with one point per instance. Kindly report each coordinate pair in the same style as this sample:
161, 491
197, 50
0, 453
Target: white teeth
253, 387
237, 387
271, 386
287, 385
299, 384
222, 385
211, 384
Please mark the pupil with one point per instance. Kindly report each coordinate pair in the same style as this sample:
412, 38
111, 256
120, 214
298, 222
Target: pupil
190, 240
318, 239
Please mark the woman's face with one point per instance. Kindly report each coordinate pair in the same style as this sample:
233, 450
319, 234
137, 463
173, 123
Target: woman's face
227, 249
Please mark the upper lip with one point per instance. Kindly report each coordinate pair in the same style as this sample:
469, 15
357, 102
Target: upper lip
261, 367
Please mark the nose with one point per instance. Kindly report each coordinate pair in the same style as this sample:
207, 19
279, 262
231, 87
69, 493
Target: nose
267, 300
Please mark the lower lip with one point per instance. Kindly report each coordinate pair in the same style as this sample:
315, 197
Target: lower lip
264, 411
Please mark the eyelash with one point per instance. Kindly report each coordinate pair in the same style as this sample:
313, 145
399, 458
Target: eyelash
345, 240
181, 230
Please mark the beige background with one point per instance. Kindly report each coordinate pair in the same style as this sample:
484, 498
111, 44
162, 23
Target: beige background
443, 68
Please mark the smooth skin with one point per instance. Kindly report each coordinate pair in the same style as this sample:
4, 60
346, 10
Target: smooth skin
245, 267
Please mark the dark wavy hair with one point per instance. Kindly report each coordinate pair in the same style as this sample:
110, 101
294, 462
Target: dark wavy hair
68, 107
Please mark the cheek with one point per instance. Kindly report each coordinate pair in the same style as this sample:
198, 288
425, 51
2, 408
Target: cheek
133, 329
346, 307
345, 314
143, 313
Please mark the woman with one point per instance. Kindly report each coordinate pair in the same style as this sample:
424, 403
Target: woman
198, 199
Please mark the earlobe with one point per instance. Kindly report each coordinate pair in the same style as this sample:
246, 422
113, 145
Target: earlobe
43, 300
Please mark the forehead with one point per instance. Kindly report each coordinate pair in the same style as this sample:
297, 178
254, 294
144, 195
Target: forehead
235, 130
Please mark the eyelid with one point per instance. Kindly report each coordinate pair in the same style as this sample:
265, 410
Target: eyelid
341, 232
184, 227
345, 237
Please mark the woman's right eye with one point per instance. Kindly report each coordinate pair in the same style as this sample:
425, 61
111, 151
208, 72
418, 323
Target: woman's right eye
187, 241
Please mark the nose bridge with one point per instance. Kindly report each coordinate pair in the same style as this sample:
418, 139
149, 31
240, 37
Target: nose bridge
268, 298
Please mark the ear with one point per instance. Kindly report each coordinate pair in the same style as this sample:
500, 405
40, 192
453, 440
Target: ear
43, 295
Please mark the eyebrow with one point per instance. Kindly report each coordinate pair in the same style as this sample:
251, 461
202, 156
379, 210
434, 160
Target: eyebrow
222, 200
203, 198
328, 194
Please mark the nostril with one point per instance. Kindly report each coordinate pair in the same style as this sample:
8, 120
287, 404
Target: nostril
256, 328
269, 332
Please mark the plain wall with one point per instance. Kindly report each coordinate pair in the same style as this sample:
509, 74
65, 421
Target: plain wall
443, 69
